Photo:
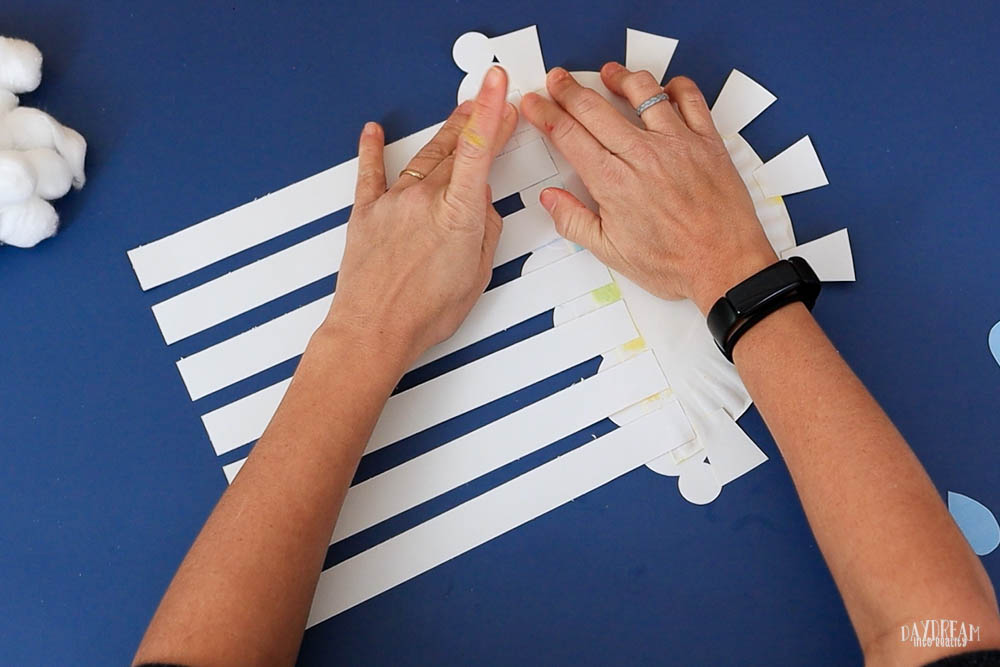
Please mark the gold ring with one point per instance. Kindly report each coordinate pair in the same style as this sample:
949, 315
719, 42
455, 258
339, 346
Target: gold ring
412, 172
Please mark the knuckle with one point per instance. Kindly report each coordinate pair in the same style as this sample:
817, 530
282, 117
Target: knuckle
637, 82
587, 101
433, 152
563, 129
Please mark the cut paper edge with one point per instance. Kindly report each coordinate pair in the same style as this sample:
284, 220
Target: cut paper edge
484, 450
795, 169
829, 256
976, 522
646, 51
488, 516
740, 101
993, 340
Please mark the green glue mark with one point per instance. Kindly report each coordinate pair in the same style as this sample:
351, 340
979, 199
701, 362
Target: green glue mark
607, 294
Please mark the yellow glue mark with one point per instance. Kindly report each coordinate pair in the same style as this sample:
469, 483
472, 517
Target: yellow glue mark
635, 345
607, 294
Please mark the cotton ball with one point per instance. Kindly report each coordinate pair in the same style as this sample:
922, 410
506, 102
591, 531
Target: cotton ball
53, 174
31, 128
17, 178
25, 224
8, 101
20, 65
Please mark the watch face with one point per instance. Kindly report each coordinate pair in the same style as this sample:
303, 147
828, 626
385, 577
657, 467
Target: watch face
772, 282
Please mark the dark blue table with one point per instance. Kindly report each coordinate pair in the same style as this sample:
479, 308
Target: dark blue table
193, 107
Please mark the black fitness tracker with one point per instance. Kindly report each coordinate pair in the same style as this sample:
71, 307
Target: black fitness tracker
780, 284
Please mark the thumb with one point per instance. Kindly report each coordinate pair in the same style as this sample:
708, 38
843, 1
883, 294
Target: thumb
574, 221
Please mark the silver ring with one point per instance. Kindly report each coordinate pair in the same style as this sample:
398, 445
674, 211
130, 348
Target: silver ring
655, 99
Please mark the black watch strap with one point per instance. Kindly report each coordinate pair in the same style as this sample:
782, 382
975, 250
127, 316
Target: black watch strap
780, 284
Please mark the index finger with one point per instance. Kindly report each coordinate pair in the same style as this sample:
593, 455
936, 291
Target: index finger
570, 138
479, 141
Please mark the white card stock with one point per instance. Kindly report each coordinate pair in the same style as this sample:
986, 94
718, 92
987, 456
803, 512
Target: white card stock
286, 336
491, 514
451, 394
520, 54
740, 101
829, 256
499, 443
207, 242
253, 285
646, 51
730, 451
795, 169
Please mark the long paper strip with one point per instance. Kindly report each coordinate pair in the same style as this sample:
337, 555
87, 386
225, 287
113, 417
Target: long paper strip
255, 222
286, 336
646, 51
497, 444
313, 259
451, 394
829, 256
795, 169
493, 513
740, 101
501, 373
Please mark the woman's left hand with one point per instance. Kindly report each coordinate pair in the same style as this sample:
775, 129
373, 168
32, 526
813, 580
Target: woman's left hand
419, 255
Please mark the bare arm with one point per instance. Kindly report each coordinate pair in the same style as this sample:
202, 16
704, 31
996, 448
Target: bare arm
675, 217
417, 259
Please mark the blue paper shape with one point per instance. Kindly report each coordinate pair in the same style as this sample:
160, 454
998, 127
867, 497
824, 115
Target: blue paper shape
995, 341
975, 520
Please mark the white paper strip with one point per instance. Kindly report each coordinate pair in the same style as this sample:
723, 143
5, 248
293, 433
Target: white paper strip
313, 259
795, 169
527, 296
740, 101
243, 421
501, 373
829, 256
484, 450
451, 394
524, 231
646, 51
286, 336
490, 515
236, 230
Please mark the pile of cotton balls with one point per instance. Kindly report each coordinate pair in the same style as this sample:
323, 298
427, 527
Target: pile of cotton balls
40, 160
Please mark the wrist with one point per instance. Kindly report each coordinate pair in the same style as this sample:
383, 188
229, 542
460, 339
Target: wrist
714, 284
386, 355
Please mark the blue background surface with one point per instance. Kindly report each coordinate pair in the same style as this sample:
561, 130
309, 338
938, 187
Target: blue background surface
193, 107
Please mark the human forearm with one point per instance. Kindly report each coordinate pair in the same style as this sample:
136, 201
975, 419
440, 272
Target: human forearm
252, 571
895, 553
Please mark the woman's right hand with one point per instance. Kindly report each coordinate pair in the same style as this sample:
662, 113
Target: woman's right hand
674, 214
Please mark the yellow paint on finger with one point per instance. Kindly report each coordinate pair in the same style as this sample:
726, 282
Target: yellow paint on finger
469, 134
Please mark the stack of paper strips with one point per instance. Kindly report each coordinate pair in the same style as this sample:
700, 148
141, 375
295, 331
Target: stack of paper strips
686, 429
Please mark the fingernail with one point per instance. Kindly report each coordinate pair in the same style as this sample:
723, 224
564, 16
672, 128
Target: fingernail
370, 128
548, 198
613, 68
466, 106
557, 73
509, 111
494, 77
